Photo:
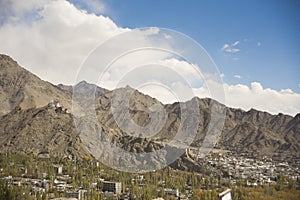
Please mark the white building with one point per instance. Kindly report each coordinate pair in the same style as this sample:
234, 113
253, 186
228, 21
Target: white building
226, 195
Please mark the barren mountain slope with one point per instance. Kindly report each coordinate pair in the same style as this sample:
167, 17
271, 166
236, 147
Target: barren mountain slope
42, 129
19, 87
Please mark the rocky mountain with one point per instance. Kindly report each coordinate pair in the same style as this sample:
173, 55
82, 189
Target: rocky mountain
261, 132
40, 131
243, 131
20, 88
29, 125
84, 88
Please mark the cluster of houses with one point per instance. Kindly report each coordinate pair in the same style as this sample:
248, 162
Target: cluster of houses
60, 183
256, 171
58, 108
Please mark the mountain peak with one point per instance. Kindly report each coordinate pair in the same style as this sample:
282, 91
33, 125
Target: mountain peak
20, 88
24, 96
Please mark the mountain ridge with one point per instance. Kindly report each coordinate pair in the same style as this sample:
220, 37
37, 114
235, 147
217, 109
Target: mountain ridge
243, 131
21, 88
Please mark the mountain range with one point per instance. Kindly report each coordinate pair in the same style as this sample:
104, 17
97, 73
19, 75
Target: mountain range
29, 124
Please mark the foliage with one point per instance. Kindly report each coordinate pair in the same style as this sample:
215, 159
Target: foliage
140, 186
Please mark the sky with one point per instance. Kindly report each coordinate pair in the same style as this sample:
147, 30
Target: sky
254, 44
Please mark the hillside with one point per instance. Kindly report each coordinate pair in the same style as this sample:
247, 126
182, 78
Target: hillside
20, 88
243, 131
28, 125
40, 131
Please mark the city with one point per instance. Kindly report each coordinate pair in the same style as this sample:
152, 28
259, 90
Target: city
29, 177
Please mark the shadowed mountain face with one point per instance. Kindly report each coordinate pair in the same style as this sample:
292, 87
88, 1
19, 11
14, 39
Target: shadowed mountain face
261, 132
43, 130
28, 125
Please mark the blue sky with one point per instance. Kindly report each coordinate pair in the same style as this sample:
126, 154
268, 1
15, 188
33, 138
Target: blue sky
268, 32
255, 44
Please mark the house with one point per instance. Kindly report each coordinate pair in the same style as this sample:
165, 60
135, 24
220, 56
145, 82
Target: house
226, 195
114, 187
58, 169
172, 192
78, 194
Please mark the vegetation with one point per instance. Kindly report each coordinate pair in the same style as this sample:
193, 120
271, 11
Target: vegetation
145, 186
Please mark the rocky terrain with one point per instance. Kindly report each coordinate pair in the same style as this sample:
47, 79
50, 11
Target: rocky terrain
261, 132
20, 88
29, 125
84, 88
41, 131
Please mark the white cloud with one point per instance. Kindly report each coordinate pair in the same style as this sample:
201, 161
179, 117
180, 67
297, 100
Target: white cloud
235, 43
265, 99
225, 46
231, 48
237, 76
188, 71
238, 96
56, 39
287, 91
55, 43
167, 36
14, 11
19, 8
151, 69
151, 31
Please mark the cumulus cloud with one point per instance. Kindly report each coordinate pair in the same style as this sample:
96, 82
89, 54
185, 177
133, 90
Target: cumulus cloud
265, 99
56, 42
13, 10
188, 71
239, 96
52, 39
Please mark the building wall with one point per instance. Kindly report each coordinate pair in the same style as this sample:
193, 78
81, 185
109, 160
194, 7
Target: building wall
114, 187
